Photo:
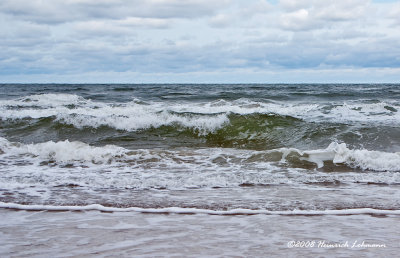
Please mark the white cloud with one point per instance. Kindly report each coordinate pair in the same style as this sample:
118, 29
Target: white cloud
197, 37
312, 14
394, 14
297, 20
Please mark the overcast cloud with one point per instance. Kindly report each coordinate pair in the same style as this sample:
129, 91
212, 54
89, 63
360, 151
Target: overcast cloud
199, 41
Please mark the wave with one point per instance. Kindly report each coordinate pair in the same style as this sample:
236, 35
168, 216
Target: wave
335, 153
63, 151
340, 154
242, 124
179, 210
132, 116
202, 116
46, 101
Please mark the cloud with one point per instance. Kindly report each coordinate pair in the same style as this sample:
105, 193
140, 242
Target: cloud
115, 28
312, 14
221, 21
394, 14
297, 20
62, 11
170, 37
241, 13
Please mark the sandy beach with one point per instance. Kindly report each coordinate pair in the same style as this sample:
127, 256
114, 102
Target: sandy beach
128, 234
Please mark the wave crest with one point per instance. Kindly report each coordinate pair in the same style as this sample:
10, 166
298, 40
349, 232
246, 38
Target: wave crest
203, 116
63, 151
336, 153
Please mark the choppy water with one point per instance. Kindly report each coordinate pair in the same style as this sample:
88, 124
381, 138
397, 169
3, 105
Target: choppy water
248, 148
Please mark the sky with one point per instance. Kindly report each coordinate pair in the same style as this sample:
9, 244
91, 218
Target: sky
199, 41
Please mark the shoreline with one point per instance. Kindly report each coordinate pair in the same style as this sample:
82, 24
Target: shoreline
180, 210
96, 233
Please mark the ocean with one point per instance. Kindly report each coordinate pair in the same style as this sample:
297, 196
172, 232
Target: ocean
199, 169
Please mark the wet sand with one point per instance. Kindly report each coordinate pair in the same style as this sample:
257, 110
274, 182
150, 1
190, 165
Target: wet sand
127, 234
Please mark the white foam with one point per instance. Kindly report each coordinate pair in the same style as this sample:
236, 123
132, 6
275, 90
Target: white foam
338, 153
319, 156
136, 118
365, 112
66, 151
179, 210
203, 116
124, 116
337, 112
245, 107
46, 100
63, 151
112, 166
365, 159
24, 168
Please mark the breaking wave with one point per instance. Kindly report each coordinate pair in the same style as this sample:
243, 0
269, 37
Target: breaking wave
202, 116
335, 153
241, 123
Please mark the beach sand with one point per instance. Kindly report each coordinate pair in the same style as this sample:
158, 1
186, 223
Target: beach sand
127, 234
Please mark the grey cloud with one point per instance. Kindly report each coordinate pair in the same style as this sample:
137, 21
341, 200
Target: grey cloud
12, 29
61, 11
246, 11
78, 36
313, 14
114, 29
394, 14
367, 54
84, 56
221, 21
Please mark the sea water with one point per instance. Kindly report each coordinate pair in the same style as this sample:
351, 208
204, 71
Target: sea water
204, 151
